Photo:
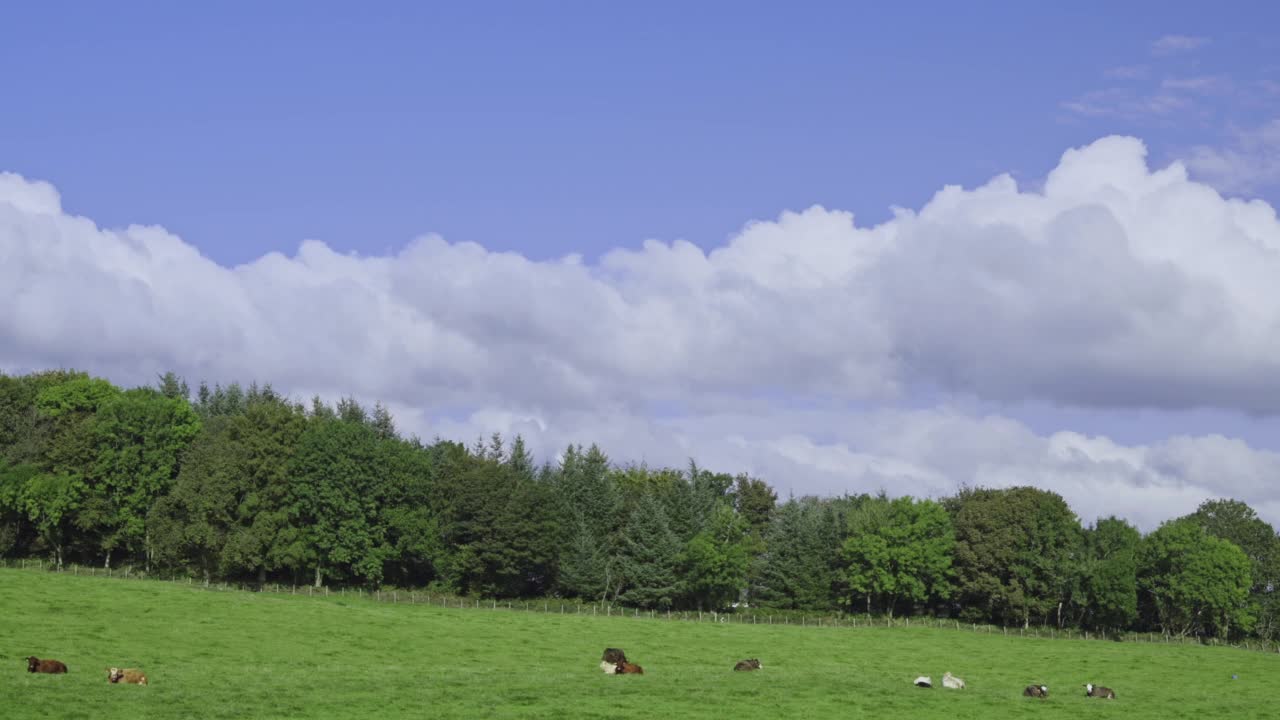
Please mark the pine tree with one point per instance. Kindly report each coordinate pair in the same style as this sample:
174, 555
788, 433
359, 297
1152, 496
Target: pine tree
383, 424
650, 555
584, 567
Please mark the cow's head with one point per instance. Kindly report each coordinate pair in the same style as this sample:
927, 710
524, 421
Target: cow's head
114, 675
33, 662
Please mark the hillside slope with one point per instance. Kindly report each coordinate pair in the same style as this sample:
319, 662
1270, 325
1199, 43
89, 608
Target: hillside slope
245, 655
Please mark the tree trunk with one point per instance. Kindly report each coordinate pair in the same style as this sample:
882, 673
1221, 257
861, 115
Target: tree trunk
318, 580
262, 575
107, 563
58, 551
1059, 613
868, 603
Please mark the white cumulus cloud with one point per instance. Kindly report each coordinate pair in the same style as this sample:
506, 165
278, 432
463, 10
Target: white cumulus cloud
1111, 285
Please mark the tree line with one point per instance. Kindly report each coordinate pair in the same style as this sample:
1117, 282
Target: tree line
236, 483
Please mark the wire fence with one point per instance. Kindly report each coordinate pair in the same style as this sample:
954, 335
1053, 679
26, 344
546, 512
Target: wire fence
574, 606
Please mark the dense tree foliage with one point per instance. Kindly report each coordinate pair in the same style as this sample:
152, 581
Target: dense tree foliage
1196, 583
1108, 592
899, 552
1017, 553
1236, 522
242, 483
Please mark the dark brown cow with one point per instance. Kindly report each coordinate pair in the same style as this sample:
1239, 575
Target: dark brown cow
36, 665
1098, 691
626, 668
1036, 691
748, 664
609, 661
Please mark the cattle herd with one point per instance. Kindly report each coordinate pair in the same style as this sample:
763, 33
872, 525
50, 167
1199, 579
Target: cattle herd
115, 675
614, 662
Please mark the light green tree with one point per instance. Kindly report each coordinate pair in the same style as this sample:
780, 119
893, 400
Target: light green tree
901, 554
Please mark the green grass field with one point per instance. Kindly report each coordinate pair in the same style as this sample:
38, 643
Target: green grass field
246, 655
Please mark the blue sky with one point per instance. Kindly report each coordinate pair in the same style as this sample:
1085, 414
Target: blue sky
1106, 329
573, 127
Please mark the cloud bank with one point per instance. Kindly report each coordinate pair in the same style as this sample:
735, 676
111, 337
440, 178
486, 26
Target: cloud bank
783, 352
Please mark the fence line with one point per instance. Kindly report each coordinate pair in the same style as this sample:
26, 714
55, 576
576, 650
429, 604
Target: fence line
573, 606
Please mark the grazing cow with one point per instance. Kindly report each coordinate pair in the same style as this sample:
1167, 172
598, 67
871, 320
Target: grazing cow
1091, 690
924, 681
609, 661
626, 668
748, 664
1036, 691
951, 681
36, 665
127, 675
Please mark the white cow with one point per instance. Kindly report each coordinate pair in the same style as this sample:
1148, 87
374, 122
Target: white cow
951, 681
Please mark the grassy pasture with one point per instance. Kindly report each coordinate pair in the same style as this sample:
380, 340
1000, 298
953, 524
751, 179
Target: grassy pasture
246, 655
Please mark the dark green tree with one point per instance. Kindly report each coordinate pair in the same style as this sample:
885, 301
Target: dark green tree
1109, 578
754, 500
650, 557
334, 503
1017, 553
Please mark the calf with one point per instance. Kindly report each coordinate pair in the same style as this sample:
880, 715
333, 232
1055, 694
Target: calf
924, 681
1091, 690
626, 668
951, 681
1036, 691
748, 664
127, 675
36, 665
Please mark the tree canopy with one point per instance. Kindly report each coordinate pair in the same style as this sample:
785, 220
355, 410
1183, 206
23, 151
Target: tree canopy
240, 482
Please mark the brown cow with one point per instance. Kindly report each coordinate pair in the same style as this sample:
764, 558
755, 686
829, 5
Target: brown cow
36, 665
1091, 690
1036, 691
127, 675
748, 664
626, 668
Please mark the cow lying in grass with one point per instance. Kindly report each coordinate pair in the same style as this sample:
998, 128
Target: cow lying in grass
36, 665
1036, 691
951, 681
748, 664
609, 661
924, 681
626, 668
127, 675
1091, 690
